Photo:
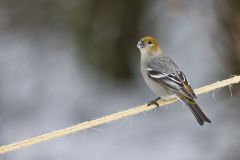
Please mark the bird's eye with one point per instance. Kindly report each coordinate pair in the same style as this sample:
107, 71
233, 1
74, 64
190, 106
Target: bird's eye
149, 42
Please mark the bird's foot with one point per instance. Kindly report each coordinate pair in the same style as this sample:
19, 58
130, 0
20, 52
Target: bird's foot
154, 102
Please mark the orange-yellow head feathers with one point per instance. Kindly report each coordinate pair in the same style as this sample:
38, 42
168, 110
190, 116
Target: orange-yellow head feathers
149, 45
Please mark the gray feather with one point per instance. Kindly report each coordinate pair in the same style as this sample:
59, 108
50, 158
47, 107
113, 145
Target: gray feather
163, 70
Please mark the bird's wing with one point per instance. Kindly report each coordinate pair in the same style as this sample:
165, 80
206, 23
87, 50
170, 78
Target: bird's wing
164, 71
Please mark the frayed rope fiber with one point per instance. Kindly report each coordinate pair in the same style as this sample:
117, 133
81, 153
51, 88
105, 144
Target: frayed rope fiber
106, 119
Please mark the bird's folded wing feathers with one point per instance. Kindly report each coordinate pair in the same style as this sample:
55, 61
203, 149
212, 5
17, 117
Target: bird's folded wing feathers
164, 71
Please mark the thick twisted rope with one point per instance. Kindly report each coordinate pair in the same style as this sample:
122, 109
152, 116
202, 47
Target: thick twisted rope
109, 118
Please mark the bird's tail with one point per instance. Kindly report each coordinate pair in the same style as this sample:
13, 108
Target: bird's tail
196, 110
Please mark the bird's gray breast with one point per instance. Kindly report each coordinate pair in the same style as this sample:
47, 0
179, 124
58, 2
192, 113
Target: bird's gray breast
155, 86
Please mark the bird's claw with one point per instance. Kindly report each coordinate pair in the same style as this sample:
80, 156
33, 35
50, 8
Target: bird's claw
154, 102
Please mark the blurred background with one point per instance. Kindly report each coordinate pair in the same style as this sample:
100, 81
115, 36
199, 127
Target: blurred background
65, 62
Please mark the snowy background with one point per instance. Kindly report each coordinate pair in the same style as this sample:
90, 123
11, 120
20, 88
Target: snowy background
62, 63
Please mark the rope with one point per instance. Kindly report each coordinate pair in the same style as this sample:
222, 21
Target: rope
109, 118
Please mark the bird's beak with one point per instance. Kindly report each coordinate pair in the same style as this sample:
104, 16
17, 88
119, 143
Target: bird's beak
140, 44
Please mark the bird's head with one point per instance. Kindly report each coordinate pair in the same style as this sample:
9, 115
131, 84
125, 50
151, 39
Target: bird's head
149, 47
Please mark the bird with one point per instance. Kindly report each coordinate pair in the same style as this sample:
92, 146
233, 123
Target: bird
165, 78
